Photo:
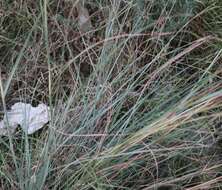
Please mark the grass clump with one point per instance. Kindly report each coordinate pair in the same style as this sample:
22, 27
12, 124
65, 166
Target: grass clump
135, 102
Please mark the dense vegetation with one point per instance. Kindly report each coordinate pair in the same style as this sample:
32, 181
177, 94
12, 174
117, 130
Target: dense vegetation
135, 97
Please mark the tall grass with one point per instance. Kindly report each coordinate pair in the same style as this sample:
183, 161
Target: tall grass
135, 103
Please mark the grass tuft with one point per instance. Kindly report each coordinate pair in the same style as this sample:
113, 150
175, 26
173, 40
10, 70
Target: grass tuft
135, 102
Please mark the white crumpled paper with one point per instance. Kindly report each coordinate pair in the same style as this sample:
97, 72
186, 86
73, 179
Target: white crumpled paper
30, 118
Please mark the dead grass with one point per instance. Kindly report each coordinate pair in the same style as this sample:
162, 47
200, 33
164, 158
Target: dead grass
135, 98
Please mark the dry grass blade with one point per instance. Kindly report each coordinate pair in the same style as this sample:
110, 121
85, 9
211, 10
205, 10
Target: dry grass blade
207, 185
192, 47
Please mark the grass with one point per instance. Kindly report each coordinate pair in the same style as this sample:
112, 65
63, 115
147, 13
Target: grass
135, 102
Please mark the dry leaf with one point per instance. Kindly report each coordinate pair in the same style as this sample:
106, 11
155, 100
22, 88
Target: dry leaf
85, 24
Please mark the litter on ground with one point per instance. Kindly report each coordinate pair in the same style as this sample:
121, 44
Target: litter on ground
29, 118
